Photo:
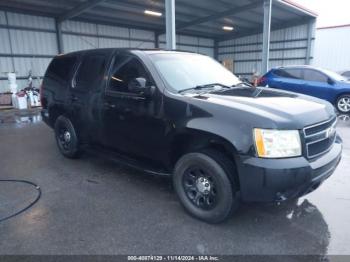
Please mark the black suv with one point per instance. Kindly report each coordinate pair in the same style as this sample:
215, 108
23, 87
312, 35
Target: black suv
185, 115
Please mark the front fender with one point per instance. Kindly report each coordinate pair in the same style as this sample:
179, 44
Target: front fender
238, 136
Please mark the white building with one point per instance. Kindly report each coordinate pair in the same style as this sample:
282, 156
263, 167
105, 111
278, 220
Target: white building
332, 48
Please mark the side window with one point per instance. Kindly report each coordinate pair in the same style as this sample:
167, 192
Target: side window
347, 74
91, 71
292, 73
279, 72
61, 67
125, 69
312, 75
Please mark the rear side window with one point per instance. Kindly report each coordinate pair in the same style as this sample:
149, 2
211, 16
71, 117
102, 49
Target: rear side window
312, 75
91, 71
61, 67
293, 73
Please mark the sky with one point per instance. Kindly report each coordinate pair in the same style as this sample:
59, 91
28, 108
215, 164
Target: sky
330, 12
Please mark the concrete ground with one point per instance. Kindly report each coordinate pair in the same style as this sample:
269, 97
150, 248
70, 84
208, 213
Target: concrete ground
94, 206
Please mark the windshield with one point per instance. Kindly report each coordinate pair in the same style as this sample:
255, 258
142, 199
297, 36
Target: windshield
185, 71
334, 75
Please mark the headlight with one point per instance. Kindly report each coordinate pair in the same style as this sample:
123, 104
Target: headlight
272, 143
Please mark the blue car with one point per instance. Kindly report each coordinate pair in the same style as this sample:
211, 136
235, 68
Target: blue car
311, 81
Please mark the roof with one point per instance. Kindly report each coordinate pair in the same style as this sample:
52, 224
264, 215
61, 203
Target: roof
300, 7
112, 49
203, 18
297, 66
334, 26
301, 67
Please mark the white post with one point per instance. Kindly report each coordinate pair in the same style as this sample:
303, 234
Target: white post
310, 34
170, 24
266, 36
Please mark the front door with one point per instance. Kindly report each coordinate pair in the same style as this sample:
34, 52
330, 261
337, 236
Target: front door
133, 123
317, 84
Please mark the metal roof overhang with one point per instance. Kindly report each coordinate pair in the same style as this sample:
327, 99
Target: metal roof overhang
204, 18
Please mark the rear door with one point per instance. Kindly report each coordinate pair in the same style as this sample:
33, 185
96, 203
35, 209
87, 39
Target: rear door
86, 93
289, 79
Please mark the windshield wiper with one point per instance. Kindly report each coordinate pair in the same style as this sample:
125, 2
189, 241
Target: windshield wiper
200, 87
243, 84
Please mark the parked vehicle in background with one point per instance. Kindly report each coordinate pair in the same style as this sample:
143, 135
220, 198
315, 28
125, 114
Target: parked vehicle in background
185, 115
311, 81
345, 74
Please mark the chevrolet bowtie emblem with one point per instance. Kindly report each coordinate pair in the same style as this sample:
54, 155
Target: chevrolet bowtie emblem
330, 131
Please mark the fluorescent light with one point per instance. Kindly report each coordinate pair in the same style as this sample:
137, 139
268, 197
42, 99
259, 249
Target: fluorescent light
227, 28
154, 13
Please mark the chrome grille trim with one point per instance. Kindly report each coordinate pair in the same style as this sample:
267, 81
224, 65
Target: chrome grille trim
325, 133
321, 153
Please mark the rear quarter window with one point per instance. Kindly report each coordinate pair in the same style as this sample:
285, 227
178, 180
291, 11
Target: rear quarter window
60, 68
91, 71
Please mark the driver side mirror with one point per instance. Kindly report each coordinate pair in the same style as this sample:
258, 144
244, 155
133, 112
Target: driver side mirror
139, 86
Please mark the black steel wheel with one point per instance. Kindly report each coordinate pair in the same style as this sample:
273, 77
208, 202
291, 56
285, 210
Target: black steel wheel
66, 137
206, 185
199, 187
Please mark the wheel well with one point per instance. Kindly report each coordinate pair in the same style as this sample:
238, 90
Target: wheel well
54, 113
339, 95
198, 141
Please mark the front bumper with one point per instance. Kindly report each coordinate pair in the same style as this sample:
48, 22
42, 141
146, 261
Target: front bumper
267, 180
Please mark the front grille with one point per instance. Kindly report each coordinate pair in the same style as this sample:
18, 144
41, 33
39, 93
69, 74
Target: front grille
320, 137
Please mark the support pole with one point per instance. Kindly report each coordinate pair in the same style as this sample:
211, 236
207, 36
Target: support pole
216, 49
59, 37
266, 36
10, 43
156, 39
310, 32
170, 24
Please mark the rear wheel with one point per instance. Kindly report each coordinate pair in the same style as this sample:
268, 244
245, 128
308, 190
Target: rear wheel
66, 138
205, 186
343, 103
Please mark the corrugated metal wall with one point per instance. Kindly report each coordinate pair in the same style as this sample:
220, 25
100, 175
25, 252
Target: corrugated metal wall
287, 47
26, 43
192, 44
29, 42
80, 35
332, 48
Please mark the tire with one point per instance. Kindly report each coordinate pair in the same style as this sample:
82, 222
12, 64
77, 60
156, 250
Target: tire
343, 104
206, 186
66, 138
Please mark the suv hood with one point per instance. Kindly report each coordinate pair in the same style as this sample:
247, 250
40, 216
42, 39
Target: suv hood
276, 108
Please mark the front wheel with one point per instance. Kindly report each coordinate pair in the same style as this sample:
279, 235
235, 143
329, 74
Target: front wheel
205, 185
343, 104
